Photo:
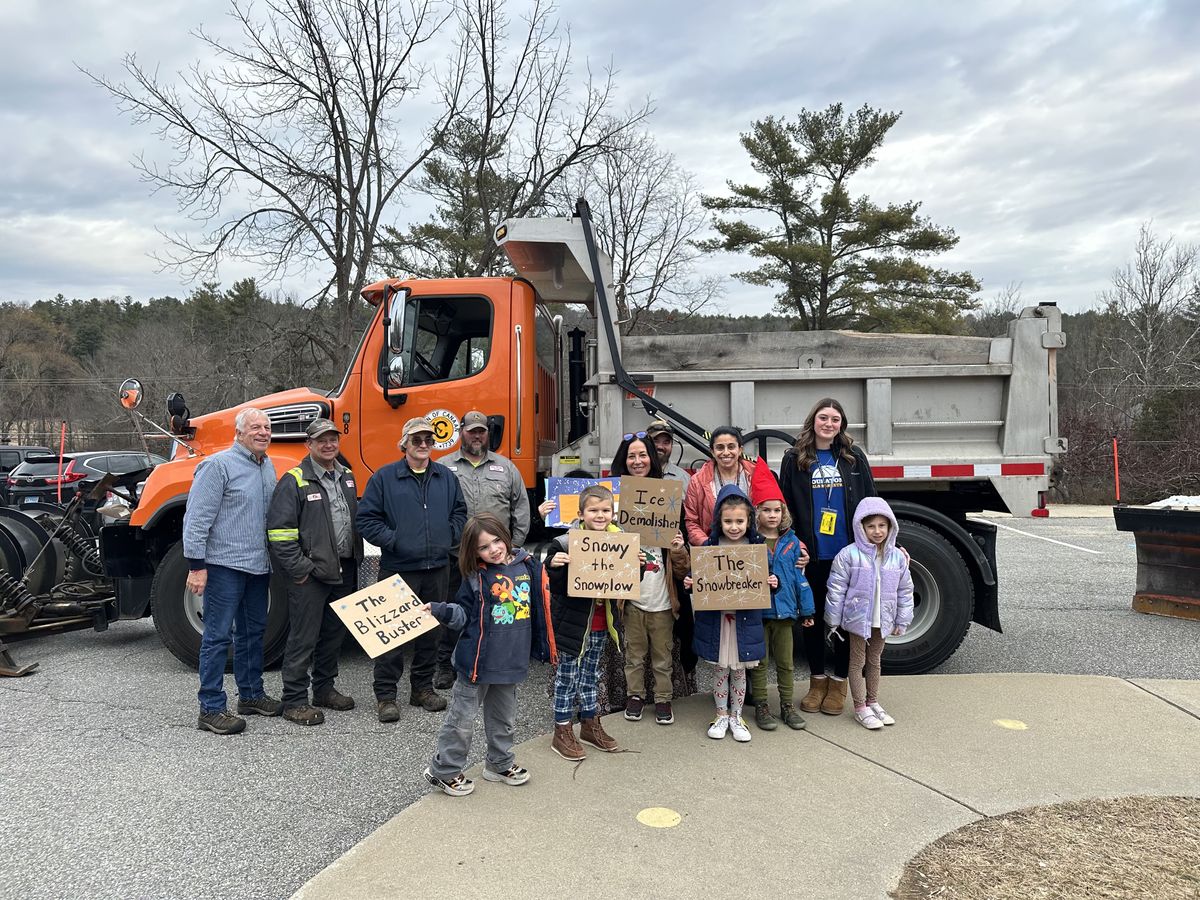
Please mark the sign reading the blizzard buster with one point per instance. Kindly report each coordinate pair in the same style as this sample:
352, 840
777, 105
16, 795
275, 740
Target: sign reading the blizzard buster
731, 577
650, 508
604, 564
383, 616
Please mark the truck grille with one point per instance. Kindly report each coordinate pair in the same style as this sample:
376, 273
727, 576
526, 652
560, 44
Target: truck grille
288, 422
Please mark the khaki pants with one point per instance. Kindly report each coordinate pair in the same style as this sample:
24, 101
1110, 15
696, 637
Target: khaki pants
653, 633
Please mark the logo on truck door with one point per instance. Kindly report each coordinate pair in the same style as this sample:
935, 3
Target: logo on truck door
445, 428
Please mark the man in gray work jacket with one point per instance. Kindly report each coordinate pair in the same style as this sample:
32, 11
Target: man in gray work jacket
313, 539
490, 484
225, 543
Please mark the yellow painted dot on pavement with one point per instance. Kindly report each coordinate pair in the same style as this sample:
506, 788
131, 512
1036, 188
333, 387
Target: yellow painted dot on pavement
1011, 724
659, 817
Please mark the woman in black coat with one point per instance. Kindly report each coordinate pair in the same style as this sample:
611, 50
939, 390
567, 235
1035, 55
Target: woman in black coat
823, 478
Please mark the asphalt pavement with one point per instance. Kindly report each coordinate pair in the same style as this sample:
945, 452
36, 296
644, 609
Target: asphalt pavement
110, 791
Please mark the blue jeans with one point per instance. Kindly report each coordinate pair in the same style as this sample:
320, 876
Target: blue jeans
235, 607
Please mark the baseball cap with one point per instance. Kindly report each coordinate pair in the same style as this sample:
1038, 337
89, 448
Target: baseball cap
416, 426
318, 427
474, 419
658, 426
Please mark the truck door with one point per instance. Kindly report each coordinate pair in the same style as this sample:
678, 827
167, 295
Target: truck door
438, 360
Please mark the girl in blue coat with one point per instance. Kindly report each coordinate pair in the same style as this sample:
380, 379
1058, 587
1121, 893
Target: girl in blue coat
732, 641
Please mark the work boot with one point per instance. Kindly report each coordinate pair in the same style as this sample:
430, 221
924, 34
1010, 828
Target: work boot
565, 743
333, 699
304, 715
818, 685
259, 706
444, 679
388, 710
592, 732
220, 722
427, 699
835, 698
763, 718
791, 717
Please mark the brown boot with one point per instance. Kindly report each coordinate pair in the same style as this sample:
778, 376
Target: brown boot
835, 697
565, 744
817, 686
592, 732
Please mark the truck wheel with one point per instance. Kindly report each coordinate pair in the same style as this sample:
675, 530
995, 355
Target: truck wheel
179, 614
944, 598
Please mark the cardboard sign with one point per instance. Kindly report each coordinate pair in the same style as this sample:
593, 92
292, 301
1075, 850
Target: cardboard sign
604, 564
565, 493
651, 508
733, 577
383, 616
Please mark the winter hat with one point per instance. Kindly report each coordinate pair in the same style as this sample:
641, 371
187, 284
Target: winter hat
763, 486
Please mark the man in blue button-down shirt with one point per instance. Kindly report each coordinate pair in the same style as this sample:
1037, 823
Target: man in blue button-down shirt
225, 543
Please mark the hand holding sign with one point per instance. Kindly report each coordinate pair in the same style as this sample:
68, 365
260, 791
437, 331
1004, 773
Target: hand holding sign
384, 616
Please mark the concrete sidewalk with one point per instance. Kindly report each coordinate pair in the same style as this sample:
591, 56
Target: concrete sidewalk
832, 812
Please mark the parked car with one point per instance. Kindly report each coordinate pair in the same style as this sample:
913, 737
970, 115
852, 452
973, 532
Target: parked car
38, 478
11, 456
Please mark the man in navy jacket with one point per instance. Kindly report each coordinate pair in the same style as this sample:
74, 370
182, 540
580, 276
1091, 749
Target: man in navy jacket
413, 510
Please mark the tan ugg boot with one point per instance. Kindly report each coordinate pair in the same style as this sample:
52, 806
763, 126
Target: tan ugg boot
817, 686
835, 697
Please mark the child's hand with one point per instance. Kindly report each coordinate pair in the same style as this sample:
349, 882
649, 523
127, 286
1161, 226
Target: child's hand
807, 623
559, 559
425, 609
677, 541
773, 581
803, 560
687, 581
642, 557
545, 506
898, 631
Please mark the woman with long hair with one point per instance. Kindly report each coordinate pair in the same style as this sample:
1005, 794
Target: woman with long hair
823, 478
728, 466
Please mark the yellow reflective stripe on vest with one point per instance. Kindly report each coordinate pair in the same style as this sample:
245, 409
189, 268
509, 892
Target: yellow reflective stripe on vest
298, 474
283, 534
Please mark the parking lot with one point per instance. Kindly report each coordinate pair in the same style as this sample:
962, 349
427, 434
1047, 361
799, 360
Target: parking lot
112, 792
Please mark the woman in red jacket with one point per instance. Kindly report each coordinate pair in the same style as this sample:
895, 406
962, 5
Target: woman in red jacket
727, 466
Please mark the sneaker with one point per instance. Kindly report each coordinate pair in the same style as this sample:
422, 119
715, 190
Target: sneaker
428, 700
737, 725
458, 786
304, 715
663, 714
881, 714
791, 717
388, 710
719, 726
514, 775
763, 718
259, 706
334, 699
444, 679
867, 719
633, 708
220, 722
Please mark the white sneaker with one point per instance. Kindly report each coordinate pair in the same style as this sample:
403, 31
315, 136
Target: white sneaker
867, 718
719, 726
513, 775
881, 714
740, 732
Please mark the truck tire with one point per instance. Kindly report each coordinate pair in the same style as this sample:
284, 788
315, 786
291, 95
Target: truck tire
944, 597
179, 614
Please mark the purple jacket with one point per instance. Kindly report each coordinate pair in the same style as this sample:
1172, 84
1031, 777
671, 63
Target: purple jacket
859, 577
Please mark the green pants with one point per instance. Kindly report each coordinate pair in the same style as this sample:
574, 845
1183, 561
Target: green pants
778, 636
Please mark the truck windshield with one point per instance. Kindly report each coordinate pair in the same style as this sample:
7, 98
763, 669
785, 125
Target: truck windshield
445, 338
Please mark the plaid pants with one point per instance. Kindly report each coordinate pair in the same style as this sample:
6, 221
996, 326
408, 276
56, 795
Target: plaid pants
578, 676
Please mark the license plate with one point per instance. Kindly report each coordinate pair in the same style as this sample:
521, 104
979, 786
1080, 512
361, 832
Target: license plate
27, 500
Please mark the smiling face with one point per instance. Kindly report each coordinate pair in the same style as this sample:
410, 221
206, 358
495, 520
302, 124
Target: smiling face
474, 442
735, 521
597, 513
876, 529
256, 436
323, 449
663, 445
491, 548
727, 452
637, 458
827, 424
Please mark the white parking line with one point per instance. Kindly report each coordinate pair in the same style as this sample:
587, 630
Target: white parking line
1038, 536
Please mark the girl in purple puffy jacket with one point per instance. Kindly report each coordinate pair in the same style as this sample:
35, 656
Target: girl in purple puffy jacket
870, 596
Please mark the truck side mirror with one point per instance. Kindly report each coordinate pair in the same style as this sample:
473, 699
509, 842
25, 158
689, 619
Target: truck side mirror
396, 320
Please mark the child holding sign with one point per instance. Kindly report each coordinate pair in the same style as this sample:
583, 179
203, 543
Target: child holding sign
503, 611
581, 626
732, 641
791, 597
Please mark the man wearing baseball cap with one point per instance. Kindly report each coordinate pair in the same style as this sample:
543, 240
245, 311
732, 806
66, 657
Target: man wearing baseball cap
663, 436
413, 510
490, 484
312, 538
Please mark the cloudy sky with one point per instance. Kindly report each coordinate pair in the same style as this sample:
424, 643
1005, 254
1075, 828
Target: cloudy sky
1042, 133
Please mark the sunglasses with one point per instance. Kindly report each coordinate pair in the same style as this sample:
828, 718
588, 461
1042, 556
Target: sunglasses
632, 435
421, 439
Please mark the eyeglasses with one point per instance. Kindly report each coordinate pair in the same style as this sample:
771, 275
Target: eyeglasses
421, 440
632, 435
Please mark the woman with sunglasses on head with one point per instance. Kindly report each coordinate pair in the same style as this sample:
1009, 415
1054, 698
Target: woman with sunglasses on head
823, 478
727, 466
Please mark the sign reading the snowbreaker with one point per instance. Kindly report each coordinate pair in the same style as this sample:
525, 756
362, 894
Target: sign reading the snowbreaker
383, 616
733, 577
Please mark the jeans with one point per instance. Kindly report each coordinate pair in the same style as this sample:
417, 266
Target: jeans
315, 635
499, 702
235, 607
778, 636
430, 586
815, 650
